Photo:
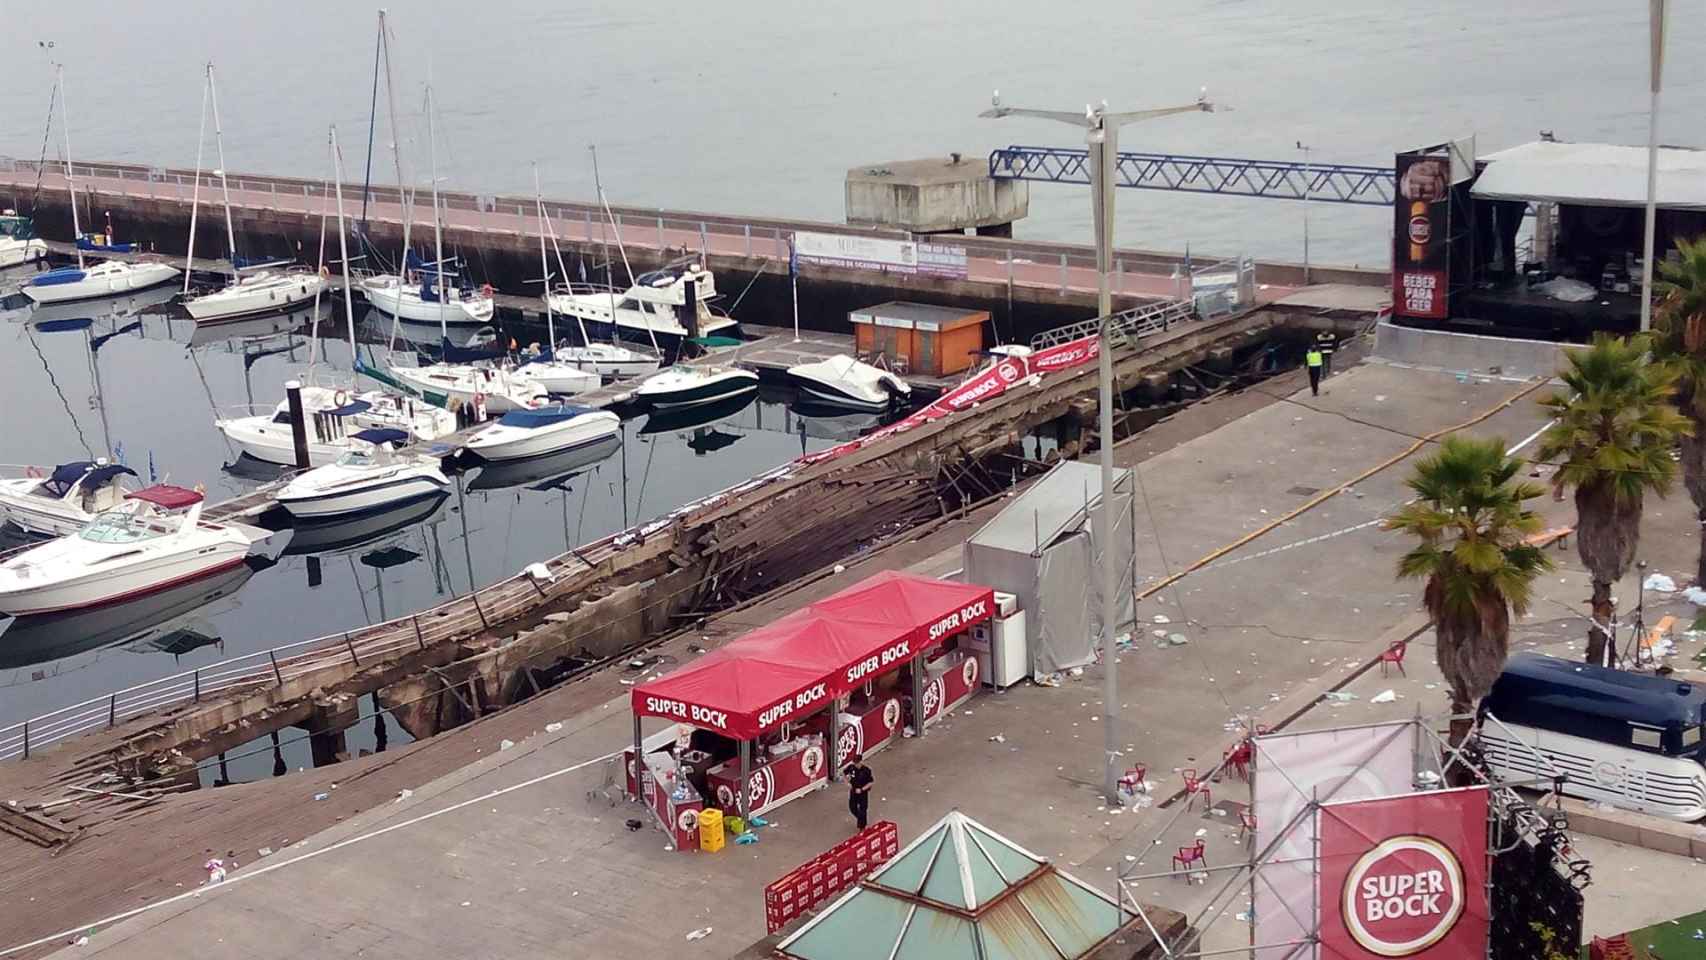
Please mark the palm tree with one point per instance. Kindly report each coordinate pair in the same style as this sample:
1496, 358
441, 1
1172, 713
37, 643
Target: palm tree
1681, 343
1474, 558
1611, 438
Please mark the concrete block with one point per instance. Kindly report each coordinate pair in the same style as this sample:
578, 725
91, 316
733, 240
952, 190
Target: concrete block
934, 195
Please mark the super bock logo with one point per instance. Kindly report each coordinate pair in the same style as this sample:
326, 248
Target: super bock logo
1403, 896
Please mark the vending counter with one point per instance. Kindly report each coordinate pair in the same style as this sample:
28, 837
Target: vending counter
671, 799
786, 771
948, 682
866, 729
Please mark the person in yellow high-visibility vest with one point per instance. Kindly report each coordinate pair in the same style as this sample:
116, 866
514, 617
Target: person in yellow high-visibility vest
1313, 361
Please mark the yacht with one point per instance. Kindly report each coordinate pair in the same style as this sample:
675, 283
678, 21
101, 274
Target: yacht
154, 540
18, 242
690, 384
332, 418
60, 500
480, 388
271, 289
108, 279
372, 475
652, 309
543, 431
442, 303
562, 376
847, 382
550, 471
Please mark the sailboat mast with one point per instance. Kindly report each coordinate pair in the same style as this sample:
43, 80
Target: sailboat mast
604, 246
343, 249
404, 198
224, 188
644, 315
437, 224
580, 323
544, 265
70, 184
372, 124
195, 190
320, 268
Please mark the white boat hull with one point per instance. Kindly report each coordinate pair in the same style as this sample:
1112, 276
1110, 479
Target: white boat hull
15, 252
365, 498
561, 378
690, 386
406, 302
258, 294
101, 586
502, 442
500, 390
608, 360
54, 518
102, 281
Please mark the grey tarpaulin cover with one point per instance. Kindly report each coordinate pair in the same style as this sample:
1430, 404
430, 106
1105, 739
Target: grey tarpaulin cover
1044, 549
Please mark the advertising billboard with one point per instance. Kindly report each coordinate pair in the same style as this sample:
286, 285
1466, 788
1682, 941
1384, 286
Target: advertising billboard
1420, 251
1404, 876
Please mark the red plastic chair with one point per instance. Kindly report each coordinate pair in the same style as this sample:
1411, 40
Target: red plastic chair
1246, 826
1189, 855
1394, 656
1238, 758
1195, 786
1133, 778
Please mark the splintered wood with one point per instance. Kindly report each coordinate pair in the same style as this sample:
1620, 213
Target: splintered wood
37, 828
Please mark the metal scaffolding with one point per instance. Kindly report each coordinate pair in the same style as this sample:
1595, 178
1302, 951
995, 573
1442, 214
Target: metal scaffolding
1276, 179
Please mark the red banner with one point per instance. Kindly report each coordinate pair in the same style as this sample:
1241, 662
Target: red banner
827, 874
986, 385
1405, 876
1421, 252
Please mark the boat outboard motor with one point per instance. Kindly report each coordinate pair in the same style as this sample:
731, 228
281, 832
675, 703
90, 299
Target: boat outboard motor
689, 308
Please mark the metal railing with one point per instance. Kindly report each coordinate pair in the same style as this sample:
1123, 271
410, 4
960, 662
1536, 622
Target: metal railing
1123, 327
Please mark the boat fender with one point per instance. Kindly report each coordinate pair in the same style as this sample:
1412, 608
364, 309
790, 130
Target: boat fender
34, 473
325, 274
486, 290
340, 398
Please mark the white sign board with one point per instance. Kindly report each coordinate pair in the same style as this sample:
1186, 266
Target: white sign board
1291, 771
856, 252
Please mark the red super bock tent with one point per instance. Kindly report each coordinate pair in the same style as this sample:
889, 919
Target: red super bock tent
794, 666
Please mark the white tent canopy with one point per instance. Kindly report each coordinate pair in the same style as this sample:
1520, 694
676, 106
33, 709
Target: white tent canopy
1593, 174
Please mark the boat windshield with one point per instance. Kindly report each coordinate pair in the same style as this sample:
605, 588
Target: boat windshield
356, 458
122, 526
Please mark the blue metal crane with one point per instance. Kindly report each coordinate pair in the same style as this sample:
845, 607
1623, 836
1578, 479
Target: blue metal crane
1278, 179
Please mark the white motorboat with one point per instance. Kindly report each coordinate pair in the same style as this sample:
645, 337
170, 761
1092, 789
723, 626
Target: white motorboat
264, 292
373, 475
848, 382
689, 384
543, 431
442, 303
481, 388
332, 418
18, 242
650, 310
550, 471
62, 499
607, 359
154, 540
107, 279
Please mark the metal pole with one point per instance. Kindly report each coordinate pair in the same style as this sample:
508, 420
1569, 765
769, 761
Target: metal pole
1307, 177
1104, 146
1656, 26
298, 427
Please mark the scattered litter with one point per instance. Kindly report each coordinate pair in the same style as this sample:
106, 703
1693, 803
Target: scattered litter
1160, 633
1203, 832
1380, 398
1161, 618
553, 727
633, 825
403, 794
1243, 916
1695, 595
506, 744
700, 933
1075, 672
322, 796
538, 571
467, 903
1340, 696
1048, 680
1384, 696
264, 852
1218, 812
747, 837
998, 738
1660, 583
1431, 686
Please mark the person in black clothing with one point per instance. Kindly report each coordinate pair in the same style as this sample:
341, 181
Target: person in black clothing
859, 778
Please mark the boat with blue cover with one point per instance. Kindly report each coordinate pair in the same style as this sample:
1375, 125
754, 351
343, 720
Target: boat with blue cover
55, 501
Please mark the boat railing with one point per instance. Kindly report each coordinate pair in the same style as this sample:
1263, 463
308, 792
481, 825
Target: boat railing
586, 289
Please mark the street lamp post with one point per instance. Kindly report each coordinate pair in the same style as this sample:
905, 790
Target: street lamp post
1308, 179
1102, 137
1656, 28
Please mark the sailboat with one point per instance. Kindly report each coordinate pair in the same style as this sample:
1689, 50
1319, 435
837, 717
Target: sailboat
440, 297
85, 282
495, 389
334, 415
606, 359
18, 242
254, 288
553, 369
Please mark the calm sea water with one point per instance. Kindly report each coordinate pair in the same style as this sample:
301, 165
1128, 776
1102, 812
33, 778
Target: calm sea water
761, 107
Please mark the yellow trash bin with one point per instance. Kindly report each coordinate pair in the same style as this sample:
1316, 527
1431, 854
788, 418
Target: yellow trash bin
711, 837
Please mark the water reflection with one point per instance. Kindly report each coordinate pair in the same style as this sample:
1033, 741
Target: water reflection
548, 472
